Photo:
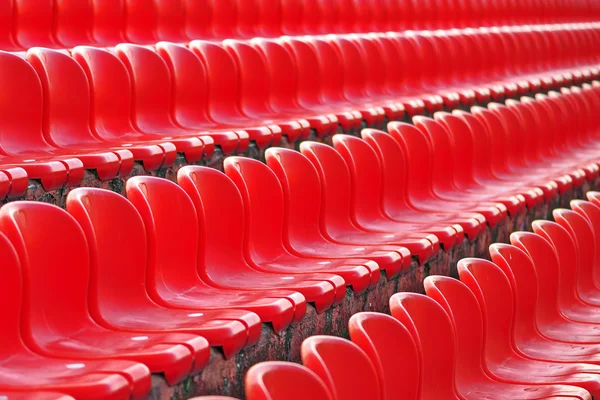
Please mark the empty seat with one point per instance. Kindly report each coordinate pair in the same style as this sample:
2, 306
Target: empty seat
23, 369
115, 118
278, 380
342, 365
51, 271
176, 257
302, 193
473, 375
110, 223
8, 395
211, 190
392, 351
264, 241
502, 358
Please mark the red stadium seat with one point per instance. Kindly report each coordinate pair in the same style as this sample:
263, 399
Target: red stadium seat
176, 258
23, 370
102, 213
262, 195
230, 269
342, 365
278, 380
76, 334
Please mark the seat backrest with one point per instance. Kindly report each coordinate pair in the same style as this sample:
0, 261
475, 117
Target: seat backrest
342, 365
33, 23
109, 22
307, 65
171, 21
463, 160
417, 149
392, 350
66, 93
442, 149
175, 246
7, 22
329, 69
366, 175
73, 22
11, 295
224, 18
283, 72
141, 21
117, 246
355, 73
253, 75
582, 233
221, 233
151, 86
301, 191
393, 167
110, 115
337, 196
55, 281
270, 18
21, 103
566, 251
434, 336
521, 273
493, 292
189, 83
222, 76
465, 313
279, 380
545, 262
263, 207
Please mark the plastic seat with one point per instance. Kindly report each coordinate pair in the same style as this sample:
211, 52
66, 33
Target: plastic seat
342, 365
380, 203
22, 143
189, 104
492, 289
285, 88
392, 351
51, 271
22, 370
155, 102
325, 81
541, 331
417, 172
570, 302
254, 99
110, 116
101, 213
175, 275
32, 24
279, 380
211, 190
73, 22
485, 172
109, 22
425, 319
67, 123
337, 206
474, 378
223, 88
465, 177
304, 233
441, 184
583, 230
264, 241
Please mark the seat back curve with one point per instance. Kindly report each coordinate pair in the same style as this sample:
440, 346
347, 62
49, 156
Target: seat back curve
424, 318
392, 350
342, 365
